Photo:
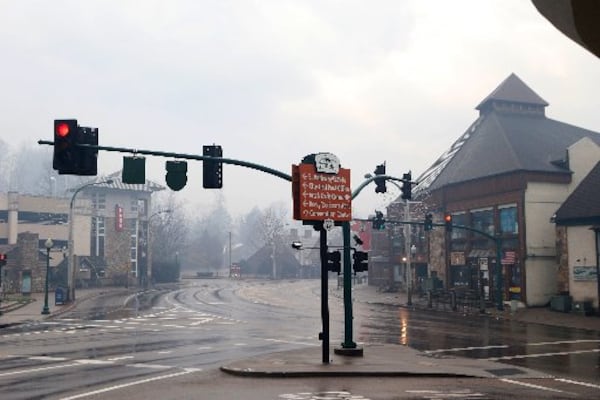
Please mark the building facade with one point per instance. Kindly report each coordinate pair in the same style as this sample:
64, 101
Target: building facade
110, 222
503, 179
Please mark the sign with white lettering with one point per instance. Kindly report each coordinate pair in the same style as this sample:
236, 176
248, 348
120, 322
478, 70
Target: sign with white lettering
118, 218
321, 196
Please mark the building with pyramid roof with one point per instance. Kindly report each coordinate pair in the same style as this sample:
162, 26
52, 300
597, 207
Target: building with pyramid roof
503, 180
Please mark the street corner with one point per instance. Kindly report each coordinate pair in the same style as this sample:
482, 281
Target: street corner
378, 360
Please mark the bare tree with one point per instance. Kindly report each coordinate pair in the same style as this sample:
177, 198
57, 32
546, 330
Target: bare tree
169, 233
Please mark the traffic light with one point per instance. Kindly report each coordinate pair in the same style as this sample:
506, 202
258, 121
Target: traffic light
88, 158
428, 222
334, 261
68, 157
448, 222
406, 186
66, 154
176, 174
380, 182
378, 221
212, 170
3, 259
134, 170
361, 261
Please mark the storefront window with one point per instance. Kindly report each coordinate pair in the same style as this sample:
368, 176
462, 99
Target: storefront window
508, 219
483, 220
459, 219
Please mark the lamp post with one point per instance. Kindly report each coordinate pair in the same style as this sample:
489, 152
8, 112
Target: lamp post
71, 258
48, 245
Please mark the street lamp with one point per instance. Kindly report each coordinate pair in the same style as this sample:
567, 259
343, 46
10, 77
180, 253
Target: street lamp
413, 252
71, 260
48, 245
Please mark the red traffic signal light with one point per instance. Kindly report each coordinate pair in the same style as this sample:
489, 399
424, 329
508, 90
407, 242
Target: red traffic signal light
65, 158
448, 221
62, 128
3, 258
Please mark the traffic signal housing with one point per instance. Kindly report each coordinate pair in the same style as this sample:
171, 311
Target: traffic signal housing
334, 259
212, 171
448, 222
378, 221
88, 158
380, 182
428, 222
407, 186
66, 155
176, 174
3, 259
69, 157
361, 261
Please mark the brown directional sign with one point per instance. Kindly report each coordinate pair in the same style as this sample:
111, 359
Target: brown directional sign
321, 196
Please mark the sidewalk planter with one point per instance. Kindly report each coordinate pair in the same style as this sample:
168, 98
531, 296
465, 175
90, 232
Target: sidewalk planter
561, 303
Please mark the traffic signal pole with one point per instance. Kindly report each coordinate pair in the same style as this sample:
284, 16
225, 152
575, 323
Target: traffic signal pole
232, 161
324, 336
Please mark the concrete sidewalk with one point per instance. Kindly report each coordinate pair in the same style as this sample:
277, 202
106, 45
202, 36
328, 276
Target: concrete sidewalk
25, 309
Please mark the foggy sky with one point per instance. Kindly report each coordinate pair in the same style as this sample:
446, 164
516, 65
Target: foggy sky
273, 81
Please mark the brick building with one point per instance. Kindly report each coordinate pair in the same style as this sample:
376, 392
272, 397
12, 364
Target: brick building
110, 234
506, 176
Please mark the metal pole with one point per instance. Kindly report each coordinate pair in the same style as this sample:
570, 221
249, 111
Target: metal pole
324, 296
597, 233
348, 342
46, 310
408, 255
71, 257
499, 290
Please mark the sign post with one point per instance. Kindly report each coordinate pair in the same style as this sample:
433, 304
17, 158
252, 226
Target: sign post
322, 198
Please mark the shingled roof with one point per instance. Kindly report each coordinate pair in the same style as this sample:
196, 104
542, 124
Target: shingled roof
511, 134
582, 206
117, 183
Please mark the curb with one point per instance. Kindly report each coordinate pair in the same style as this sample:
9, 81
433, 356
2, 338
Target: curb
251, 373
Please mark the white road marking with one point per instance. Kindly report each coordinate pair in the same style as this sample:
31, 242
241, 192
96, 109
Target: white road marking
31, 370
124, 385
47, 358
151, 366
564, 342
465, 349
560, 353
93, 362
532, 386
291, 342
591, 385
120, 358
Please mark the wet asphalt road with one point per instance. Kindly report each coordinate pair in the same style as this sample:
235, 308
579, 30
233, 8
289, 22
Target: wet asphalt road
170, 342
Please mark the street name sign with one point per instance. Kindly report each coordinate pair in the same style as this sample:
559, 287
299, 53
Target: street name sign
321, 196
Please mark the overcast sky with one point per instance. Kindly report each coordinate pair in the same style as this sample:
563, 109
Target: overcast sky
273, 81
